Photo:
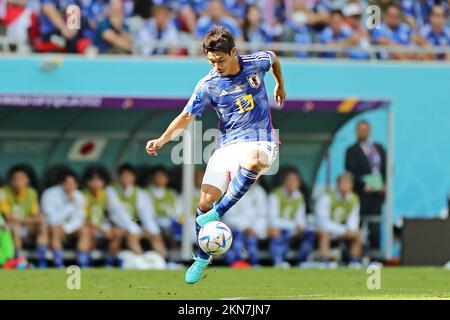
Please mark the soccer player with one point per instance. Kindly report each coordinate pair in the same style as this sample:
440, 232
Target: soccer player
338, 219
63, 206
287, 220
247, 145
21, 208
139, 220
98, 220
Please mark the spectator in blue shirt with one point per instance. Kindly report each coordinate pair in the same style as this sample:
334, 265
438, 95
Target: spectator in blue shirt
215, 17
393, 32
190, 11
159, 27
53, 25
361, 39
417, 12
254, 30
436, 33
297, 30
336, 33
238, 8
111, 35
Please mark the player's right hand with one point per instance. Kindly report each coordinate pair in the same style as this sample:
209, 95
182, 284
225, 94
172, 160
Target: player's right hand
153, 145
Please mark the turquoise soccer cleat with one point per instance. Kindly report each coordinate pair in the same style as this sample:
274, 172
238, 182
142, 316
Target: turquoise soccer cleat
211, 215
194, 273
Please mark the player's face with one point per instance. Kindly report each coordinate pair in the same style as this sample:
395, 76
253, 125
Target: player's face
96, 184
19, 181
292, 182
363, 132
127, 178
223, 63
345, 186
160, 180
70, 185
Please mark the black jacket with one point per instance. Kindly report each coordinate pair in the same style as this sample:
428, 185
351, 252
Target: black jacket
357, 163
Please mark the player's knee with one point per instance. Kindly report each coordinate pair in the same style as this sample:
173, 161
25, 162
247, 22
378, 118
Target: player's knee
205, 204
257, 161
323, 234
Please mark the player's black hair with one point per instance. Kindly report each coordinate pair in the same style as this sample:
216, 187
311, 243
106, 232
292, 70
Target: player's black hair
26, 169
287, 171
126, 167
64, 173
337, 12
218, 39
96, 171
345, 175
160, 169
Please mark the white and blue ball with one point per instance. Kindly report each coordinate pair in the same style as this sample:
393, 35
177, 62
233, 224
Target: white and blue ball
215, 238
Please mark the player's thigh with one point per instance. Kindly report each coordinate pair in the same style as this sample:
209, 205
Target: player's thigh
217, 174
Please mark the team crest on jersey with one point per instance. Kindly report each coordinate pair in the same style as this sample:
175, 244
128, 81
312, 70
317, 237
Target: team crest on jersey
254, 80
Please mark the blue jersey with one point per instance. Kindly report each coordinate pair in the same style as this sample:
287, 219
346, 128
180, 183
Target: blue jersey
240, 100
440, 39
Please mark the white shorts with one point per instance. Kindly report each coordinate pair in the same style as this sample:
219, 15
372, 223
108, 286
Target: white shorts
226, 161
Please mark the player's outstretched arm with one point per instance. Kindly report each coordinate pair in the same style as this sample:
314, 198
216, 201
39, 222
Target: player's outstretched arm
279, 91
173, 130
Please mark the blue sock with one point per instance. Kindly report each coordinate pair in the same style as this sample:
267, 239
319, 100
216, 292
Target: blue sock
234, 253
276, 249
110, 260
83, 259
252, 248
307, 245
41, 253
202, 254
355, 260
237, 188
58, 258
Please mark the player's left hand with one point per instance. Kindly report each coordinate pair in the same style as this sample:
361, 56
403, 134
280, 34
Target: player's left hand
280, 94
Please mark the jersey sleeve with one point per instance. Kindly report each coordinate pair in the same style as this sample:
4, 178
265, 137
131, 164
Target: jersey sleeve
199, 99
265, 59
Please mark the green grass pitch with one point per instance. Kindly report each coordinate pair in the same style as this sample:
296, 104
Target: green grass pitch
226, 283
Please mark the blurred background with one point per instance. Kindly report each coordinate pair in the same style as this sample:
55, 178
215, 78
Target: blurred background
365, 156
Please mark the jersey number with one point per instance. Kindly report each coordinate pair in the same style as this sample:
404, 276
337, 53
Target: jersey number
247, 101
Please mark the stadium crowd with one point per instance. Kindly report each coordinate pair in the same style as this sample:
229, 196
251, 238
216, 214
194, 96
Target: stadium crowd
141, 209
133, 26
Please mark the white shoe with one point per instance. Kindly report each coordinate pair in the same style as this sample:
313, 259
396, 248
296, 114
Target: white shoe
175, 266
282, 265
328, 265
355, 265
308, 265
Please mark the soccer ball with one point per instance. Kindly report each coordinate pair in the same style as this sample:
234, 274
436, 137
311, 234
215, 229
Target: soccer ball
215, 238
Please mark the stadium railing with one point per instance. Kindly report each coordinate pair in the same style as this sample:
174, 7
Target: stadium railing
193, 48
